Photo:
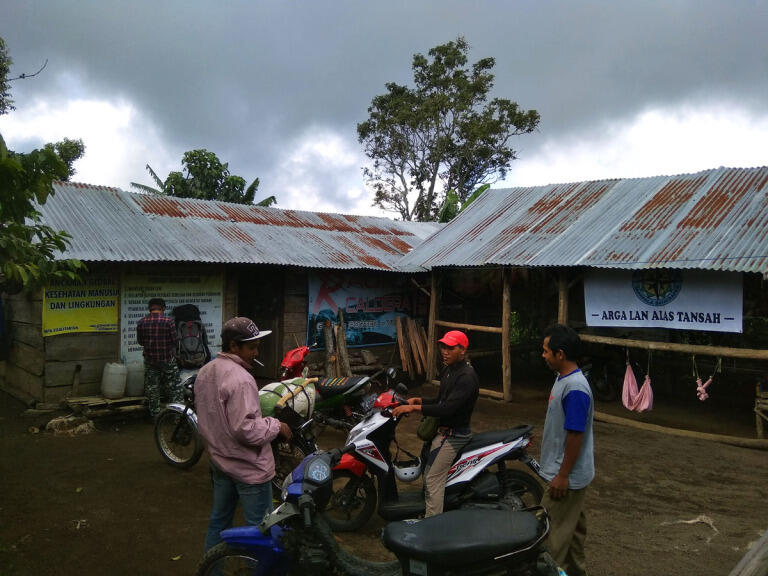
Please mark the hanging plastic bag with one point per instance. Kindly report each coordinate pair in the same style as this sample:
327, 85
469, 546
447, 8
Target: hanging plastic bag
632, 398
629, 389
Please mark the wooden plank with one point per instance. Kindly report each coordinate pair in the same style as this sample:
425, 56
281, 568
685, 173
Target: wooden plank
746, 353
27, 358
405, 350
425, 340
475, 327
25, 308
83, 346
421, 343
30, 334
408, 325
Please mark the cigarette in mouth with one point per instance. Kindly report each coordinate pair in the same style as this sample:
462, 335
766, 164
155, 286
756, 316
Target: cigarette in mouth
259, 363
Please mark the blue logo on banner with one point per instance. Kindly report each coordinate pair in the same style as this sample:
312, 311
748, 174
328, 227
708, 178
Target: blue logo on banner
657, 287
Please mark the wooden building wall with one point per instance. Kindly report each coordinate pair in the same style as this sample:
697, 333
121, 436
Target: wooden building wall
49, 370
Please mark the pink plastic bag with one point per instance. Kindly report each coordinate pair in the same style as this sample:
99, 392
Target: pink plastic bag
634, 399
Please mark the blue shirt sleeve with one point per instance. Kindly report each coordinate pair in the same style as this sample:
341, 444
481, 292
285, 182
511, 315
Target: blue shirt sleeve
576, 408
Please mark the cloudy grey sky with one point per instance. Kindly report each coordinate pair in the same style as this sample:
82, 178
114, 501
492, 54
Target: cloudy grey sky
276, 88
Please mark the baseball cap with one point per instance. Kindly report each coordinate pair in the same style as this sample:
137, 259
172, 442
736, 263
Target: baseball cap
242, 329
455, 338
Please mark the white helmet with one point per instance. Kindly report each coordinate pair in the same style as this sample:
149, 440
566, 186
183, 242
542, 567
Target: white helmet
407, 470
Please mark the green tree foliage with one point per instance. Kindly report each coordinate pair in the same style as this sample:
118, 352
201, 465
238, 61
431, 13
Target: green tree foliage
205, 177
444, 134
28, 248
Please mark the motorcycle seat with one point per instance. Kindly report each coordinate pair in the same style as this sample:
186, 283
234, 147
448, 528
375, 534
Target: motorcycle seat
496, 436
333, 386
463, 537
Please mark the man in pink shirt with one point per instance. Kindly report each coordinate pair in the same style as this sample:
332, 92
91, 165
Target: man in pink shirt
238, 437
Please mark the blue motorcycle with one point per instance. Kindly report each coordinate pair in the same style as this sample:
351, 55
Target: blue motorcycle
295, 538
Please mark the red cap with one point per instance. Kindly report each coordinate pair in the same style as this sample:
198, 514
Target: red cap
455, 338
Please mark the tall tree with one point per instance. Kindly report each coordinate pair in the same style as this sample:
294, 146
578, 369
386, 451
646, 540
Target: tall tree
204, 176
443, 134
29, 249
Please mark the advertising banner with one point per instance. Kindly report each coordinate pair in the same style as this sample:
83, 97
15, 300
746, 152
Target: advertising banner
89, 305
204, 291
677, 299
370, 304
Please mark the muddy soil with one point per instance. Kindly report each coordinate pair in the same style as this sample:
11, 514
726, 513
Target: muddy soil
105, 503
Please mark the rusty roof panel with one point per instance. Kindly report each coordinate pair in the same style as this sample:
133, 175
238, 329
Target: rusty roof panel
714, 219
110, 224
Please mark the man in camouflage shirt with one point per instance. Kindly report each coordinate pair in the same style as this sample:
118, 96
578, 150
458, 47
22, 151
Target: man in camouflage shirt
156, 332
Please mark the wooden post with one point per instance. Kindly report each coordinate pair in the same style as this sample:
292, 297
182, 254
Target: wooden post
506, 350
330, 370
341, 347
562, 298
434, 301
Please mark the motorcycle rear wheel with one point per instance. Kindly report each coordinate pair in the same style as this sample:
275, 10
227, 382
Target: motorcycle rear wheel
353, 501
225, 560
177, 439
521, 490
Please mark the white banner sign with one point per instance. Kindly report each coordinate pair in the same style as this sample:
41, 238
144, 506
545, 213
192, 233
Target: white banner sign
203, 291
678, 299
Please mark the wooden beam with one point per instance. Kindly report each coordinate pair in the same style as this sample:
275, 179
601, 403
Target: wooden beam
721, 351
434, 300
562, 298
506, 351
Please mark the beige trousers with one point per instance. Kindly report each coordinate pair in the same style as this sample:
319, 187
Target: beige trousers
441, 454
568, 531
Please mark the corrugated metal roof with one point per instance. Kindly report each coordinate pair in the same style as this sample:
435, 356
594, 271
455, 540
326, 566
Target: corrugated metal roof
713, 220
110, 224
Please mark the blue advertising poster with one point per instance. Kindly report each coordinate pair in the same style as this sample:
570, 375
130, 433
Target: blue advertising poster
370, 304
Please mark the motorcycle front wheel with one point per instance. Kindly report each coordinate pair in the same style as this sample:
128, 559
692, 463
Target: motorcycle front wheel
353, 501
177, 439
224, 560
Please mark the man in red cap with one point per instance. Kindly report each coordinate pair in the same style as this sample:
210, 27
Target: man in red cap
459, 389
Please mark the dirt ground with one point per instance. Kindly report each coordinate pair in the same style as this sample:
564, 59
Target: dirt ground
105, 503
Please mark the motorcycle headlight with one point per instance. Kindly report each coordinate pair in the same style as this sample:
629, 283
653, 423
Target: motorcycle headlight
318, 471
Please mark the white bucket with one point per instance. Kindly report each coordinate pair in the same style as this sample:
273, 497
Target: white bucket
134, 382
113, 380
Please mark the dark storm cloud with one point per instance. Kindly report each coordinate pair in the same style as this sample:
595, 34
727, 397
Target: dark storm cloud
244, 79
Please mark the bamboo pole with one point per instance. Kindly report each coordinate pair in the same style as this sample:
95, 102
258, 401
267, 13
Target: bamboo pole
475, 327
506, 351
723, 439
755, 561
744, 353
